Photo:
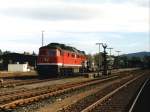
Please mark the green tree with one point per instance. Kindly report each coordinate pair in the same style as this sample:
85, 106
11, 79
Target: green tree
6, 52
124, 61
135, 62
146, 61
1, 52
33, 53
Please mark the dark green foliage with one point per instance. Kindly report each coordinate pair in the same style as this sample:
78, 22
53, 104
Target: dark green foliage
34, 54
146, 61
1, 52
130, 62
6, 52
135, 62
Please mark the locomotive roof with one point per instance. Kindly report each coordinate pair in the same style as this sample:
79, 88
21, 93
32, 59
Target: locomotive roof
64, 47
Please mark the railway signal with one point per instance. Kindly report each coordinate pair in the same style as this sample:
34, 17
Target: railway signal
104, 72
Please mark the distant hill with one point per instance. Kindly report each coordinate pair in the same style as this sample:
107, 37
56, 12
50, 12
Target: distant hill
138, 54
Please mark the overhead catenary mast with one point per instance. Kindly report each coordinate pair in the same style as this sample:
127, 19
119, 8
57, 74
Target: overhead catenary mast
118, 59
110, 50
118, 52
99, 44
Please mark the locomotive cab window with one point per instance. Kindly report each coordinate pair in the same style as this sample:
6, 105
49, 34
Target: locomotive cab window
52, 53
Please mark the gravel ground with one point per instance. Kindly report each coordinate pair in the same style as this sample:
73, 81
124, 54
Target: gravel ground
53, 82
42, 84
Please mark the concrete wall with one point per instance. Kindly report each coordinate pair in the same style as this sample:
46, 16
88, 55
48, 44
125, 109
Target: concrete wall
18, 68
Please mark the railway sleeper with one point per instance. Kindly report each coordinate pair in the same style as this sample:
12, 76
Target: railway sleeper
40, 97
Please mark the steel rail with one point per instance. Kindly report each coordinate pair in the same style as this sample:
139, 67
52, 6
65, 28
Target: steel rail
138, 95
91, 107
31, 98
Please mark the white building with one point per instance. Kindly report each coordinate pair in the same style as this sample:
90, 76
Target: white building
18, 68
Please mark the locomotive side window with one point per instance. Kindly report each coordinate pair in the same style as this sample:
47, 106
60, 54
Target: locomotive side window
73, 55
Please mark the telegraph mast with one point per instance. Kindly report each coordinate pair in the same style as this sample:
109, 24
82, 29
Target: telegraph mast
43, 37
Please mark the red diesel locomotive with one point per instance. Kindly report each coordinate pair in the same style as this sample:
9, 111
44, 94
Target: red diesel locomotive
59, 59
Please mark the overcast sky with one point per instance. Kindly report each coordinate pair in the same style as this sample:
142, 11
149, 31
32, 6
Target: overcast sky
122, 24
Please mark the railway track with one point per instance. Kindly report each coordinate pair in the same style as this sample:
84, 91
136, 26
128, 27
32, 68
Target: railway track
12, 100
110, 99
107, 97
45, 87
13, 83
18, 98
141, 101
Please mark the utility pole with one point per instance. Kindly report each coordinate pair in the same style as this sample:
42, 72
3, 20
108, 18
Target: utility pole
149, 41
42, 37
99, 44
118, 59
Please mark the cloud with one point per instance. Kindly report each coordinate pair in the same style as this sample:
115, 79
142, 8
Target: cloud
81, 17
143, 3
50, 11
77, 22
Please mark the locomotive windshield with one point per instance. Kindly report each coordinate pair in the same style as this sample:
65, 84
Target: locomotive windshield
52, 53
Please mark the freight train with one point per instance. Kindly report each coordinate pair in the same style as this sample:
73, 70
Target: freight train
60, 59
